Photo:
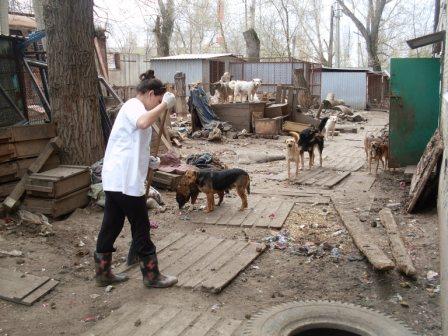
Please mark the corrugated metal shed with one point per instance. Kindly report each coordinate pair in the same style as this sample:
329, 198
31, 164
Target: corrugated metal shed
349, 85
195, 66
194, 57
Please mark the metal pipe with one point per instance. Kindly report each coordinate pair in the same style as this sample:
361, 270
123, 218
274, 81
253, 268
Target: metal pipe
110, 89
42, 97
11, 102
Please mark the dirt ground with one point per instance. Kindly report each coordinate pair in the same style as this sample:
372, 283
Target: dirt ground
277, 276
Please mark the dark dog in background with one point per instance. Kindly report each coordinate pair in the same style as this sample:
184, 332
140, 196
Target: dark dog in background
219, 182
310, 139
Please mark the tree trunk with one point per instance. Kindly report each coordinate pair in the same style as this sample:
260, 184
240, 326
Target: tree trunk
39, 15
164, 27
73, 79
4, 23
330, 42
252, 15
372, 52
252, 45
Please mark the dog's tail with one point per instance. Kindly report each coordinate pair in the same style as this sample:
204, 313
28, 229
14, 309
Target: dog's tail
322, 124
295, 135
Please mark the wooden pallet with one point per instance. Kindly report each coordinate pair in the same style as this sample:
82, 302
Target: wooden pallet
264, 211
321, 177
202, 261
148, 320
23, 288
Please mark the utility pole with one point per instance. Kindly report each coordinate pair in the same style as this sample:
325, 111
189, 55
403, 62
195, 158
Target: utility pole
4, 19
337, 16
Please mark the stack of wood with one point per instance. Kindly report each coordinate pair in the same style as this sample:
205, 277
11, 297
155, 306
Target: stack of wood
19, 148
57, 191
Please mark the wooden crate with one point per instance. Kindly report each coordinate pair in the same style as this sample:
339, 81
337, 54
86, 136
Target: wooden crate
58, 182
239, 115
268, 126
24, 141
13, 170
276, 110
57, 207
26, 133
165, 180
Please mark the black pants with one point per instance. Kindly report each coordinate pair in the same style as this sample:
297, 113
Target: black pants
118, 206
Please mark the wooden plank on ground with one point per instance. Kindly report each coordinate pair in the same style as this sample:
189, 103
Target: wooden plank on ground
203, 325
425, 167
174, 253
14, 286
335, 180
357, 182
266, 217
180, 323
189, 278
39, 292
212, 263
281, 215
153, 325
259, 209
399, 251
344, 206
227, 327
163, 321
197, 253
239, 216
230, 270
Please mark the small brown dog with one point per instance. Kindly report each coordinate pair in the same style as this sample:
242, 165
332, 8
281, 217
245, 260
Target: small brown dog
292, 153
218, 182
377, 149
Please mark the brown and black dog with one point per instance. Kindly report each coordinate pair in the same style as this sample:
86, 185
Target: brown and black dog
219, 182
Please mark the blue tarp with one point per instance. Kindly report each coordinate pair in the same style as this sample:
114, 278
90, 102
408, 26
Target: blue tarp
201, 110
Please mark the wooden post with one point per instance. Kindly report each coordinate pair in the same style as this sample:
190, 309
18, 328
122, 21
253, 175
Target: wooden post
181, 93
150, 175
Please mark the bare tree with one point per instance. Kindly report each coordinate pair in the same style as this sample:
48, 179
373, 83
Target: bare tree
251, 36
164, 26
73, 79
370, 29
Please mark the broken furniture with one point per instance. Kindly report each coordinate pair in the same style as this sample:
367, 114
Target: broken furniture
58, 191
240, 115
268, 126
165, 180
23, 288
29, 149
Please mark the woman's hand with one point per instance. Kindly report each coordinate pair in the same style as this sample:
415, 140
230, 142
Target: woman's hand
169, 99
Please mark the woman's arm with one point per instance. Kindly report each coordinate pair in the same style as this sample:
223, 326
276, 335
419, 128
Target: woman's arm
149, 117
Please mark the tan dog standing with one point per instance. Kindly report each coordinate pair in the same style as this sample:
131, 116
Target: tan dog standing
292, 153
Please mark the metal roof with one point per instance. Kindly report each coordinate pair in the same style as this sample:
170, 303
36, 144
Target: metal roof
193, 57
327, 69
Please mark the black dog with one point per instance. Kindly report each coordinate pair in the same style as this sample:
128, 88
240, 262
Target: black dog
309, 139
219, 182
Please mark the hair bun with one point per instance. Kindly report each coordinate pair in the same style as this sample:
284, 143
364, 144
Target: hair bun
147, 75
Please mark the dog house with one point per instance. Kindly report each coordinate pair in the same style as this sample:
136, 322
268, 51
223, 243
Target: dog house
204, 68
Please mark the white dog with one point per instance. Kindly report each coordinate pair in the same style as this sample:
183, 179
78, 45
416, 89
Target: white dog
330, 126
243, 88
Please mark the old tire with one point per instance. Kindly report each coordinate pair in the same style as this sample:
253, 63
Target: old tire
291, 319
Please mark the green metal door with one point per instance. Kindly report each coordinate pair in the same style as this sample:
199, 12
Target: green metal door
414, 107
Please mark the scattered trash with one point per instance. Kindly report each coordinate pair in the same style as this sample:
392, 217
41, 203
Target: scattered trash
138, 323
109, 289
405, 284
13, 253
356, 258
432, 276
255, 267
94, 296
402, 185
335, 254
279, 241
90, 318
215, 307
97, 193
337, 233
393, 206
80, 244
153, 224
